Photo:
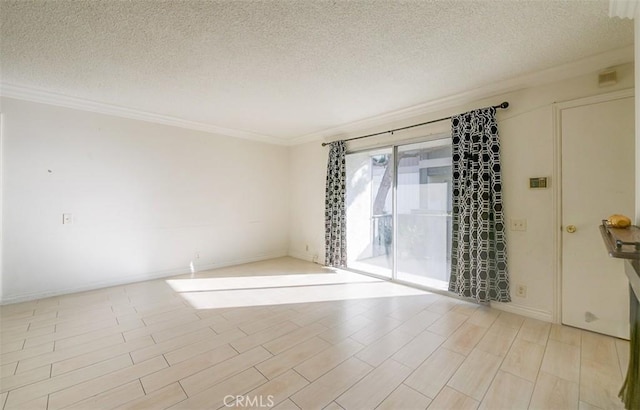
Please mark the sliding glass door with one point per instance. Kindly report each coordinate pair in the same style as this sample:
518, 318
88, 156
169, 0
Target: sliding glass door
424, 199
370, 211
399, 212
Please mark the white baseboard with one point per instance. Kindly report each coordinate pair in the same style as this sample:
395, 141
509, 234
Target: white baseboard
137, 278
305, 256
241, 261
524, 311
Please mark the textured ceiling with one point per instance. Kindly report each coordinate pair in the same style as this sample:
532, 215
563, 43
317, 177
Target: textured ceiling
290, 68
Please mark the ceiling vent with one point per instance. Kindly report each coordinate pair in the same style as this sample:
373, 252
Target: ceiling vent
607, 78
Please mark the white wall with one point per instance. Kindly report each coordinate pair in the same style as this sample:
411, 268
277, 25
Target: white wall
526, 131
144, 197
308, 164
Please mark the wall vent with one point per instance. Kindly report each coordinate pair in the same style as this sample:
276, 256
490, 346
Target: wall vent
607, 78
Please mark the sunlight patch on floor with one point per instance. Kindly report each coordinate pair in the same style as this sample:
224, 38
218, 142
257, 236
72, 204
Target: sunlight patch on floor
270, 281
214, 293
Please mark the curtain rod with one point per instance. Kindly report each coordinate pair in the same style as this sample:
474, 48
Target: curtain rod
504, 105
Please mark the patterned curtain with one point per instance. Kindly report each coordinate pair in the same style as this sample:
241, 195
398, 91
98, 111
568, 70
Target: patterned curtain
335, 218
478, 258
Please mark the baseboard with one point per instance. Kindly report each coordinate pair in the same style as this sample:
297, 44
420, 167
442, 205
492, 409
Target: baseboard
138, 278
539, 314
93, 286
241, 261
305, 256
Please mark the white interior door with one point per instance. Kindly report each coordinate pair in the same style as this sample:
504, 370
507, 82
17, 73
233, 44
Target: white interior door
598, 174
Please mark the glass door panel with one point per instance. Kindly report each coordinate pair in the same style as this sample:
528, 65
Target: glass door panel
370, 211
424, 208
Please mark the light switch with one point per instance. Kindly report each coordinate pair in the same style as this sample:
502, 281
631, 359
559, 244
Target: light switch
67, 219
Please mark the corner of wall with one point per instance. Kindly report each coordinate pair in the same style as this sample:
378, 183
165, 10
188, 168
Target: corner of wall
144, 197
305, 256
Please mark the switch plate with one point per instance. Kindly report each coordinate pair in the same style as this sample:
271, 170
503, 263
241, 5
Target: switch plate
67, 219
518, 224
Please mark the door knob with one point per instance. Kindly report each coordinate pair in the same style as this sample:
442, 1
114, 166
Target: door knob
571, 228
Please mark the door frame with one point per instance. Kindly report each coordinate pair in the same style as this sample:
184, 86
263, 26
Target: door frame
557, 186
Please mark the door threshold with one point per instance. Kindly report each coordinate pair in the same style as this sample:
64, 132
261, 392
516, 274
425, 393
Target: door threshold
413, 285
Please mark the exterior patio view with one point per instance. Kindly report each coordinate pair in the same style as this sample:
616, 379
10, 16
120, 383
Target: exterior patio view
421, 176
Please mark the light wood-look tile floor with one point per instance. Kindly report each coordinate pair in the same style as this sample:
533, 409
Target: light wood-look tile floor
288, 334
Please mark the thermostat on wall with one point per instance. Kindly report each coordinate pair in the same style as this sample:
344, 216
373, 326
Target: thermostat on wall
540, 182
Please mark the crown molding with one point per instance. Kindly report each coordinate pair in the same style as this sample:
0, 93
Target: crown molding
47, 97
626, 9
554, 74
565, 71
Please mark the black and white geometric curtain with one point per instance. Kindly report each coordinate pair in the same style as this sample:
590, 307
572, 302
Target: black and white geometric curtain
479, 254
334, 207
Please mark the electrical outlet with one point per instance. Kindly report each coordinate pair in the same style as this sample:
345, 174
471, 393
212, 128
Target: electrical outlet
518, 224
67, 219
521, 291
